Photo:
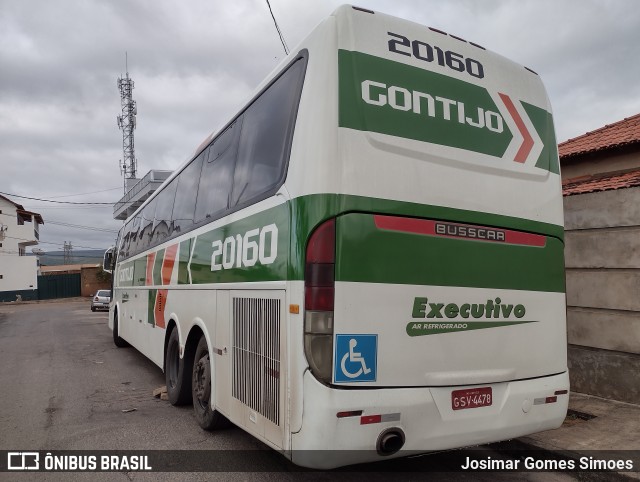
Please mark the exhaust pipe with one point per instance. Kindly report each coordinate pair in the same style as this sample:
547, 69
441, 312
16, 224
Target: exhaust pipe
390, 441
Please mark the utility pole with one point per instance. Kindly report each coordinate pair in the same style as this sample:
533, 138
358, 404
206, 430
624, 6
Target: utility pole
127, 123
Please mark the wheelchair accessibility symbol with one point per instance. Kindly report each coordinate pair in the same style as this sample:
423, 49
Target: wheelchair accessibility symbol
356, 358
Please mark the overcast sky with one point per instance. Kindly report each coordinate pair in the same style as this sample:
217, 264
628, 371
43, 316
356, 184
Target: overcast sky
195, 62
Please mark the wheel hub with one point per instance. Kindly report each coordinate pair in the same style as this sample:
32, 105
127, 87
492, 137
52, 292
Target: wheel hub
202, 379
174, 363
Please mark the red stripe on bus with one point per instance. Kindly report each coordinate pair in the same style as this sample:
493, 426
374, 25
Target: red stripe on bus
516, 237
428, 227
168, 262
367, 419
405, 225
527, 142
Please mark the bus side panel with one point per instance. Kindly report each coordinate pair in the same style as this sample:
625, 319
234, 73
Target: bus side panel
137, 303
258, 361
222, 352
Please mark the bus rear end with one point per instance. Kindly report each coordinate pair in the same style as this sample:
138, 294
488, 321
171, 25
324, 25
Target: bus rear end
434, 298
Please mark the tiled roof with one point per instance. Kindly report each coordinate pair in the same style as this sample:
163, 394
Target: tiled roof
624, 132
21, 210
37, 217
19, 206
607, 182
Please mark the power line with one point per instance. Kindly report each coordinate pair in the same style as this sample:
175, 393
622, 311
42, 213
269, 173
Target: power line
85, 193
89, 207
79, 226
284, 44
75, 205
15, 254
49, 242
51, 201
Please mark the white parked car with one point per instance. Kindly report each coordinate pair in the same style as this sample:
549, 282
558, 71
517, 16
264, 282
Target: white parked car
101, 300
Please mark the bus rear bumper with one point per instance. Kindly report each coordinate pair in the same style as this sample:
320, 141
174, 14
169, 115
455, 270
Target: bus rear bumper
425, 417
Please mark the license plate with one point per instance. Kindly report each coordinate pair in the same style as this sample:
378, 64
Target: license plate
471, 398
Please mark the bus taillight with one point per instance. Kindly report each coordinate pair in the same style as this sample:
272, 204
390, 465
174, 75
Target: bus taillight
319, 289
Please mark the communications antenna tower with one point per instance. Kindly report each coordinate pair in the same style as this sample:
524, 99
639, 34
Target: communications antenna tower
127, 123
68, 253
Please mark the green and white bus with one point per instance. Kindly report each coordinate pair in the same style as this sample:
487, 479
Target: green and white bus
367, 258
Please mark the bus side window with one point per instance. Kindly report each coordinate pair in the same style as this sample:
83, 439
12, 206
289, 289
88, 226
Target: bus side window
133, 236
186, 195
124, 238
267, 129
217, 175
117, 249
146, 222
162, 218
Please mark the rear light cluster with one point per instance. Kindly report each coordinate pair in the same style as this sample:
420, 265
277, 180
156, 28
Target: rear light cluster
319, 290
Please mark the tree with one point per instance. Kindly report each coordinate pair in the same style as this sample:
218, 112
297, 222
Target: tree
103, 276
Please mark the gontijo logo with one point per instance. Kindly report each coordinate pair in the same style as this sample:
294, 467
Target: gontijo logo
399, 98
125, 274
467, 316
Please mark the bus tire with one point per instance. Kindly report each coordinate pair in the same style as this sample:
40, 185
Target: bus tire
177, 371
201, 388
117, 340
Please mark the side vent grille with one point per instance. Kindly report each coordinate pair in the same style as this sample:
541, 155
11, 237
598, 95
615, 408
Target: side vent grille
256, 355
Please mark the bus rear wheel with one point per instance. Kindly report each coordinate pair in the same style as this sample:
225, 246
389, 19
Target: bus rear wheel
117, 340
201, 389
177, 371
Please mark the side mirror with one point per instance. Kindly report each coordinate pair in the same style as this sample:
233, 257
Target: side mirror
109, 260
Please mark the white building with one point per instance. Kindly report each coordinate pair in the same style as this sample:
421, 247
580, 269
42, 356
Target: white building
19, 229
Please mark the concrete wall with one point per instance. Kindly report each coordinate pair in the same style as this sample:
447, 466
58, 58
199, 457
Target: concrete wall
605, 374
18, 273
602, 257
25, 233
15, 295
89, 284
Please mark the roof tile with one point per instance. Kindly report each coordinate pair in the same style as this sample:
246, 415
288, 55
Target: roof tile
607, 182
626, 131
